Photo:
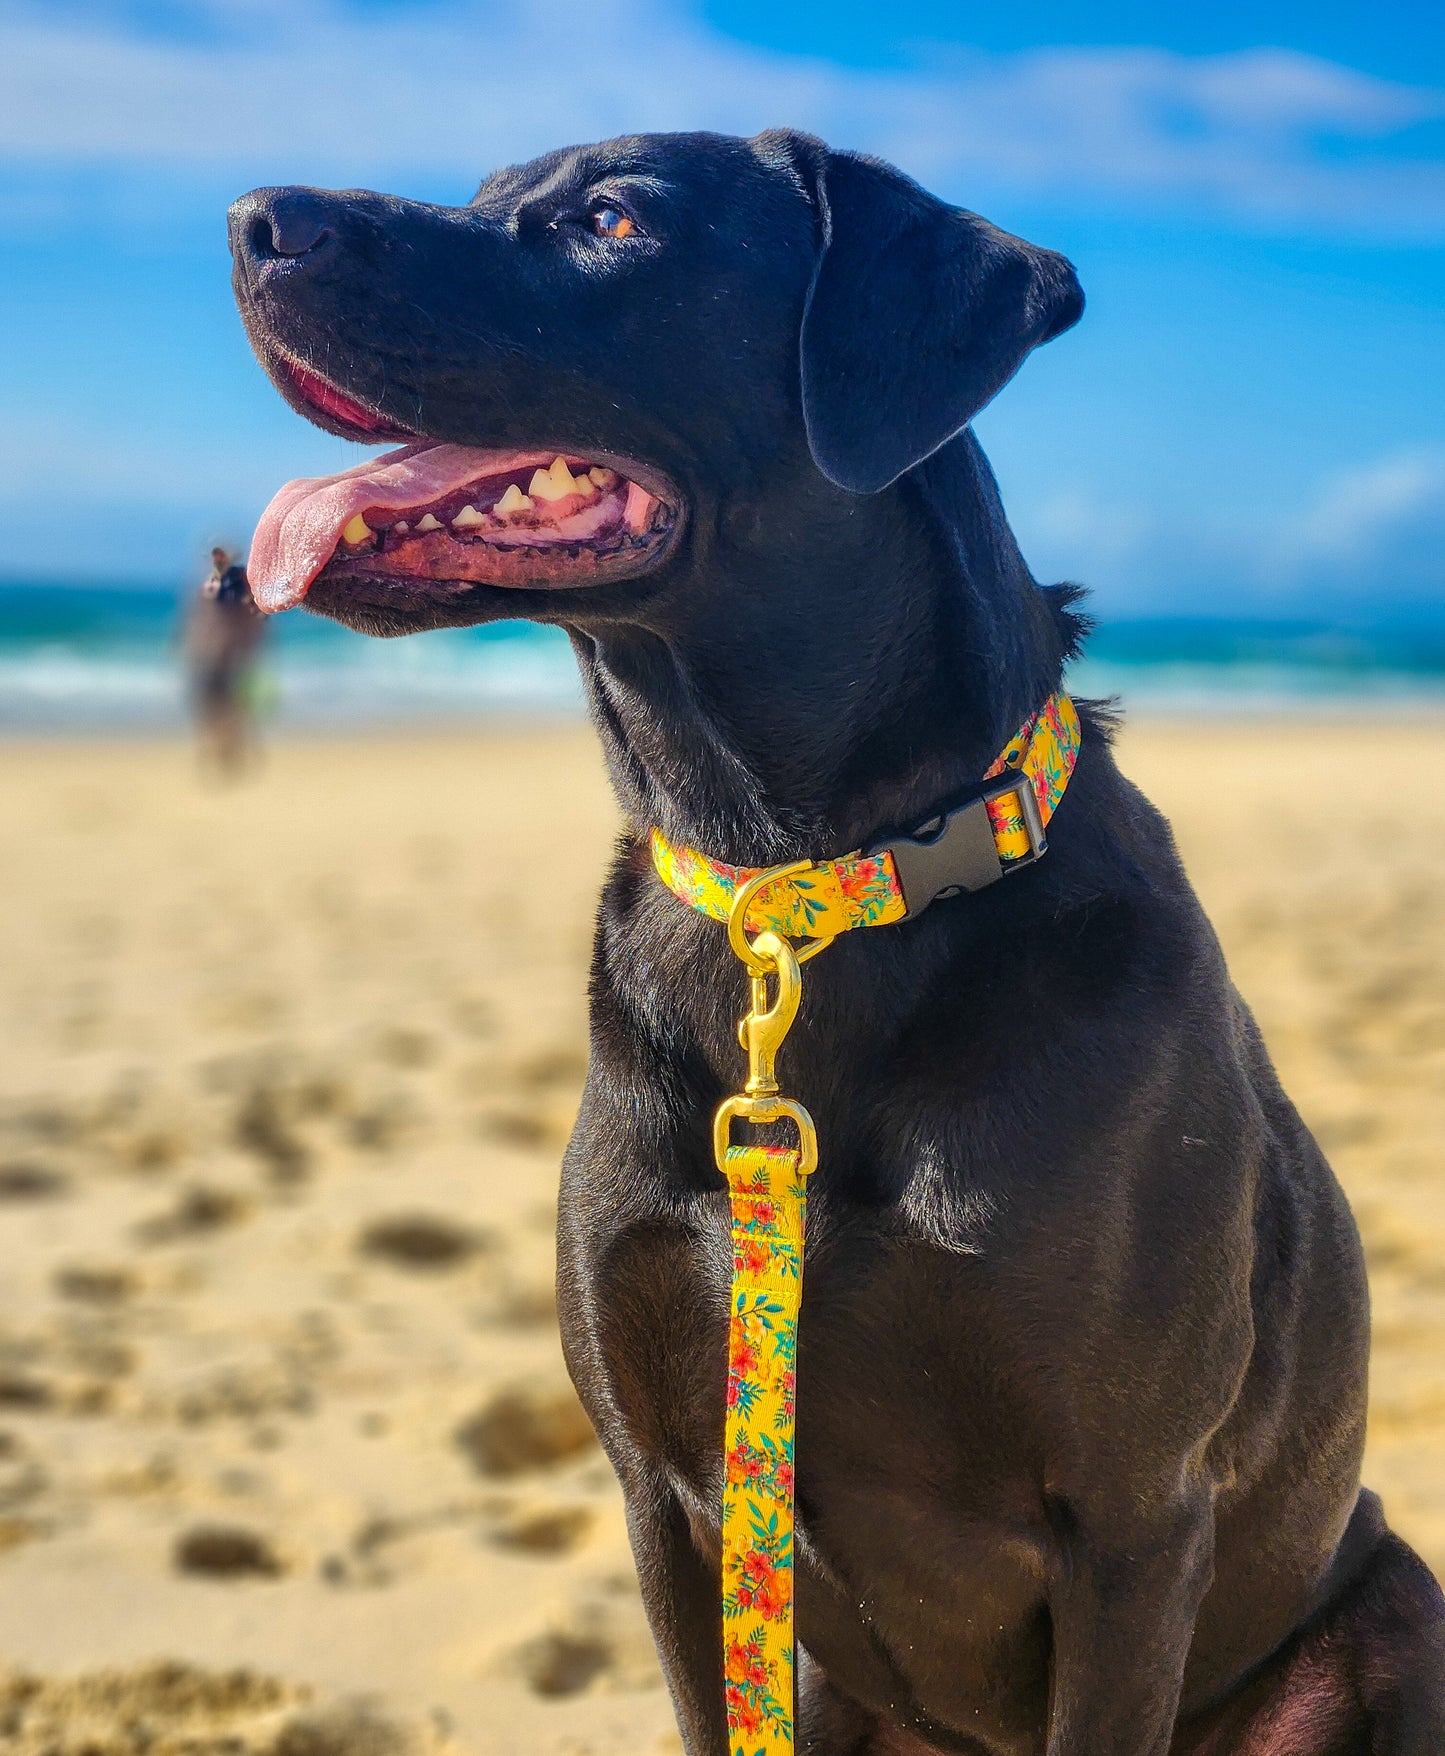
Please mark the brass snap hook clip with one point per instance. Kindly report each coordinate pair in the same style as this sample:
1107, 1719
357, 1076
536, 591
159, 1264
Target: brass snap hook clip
763, 1029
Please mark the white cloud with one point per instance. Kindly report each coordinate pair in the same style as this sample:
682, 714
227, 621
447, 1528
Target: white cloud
1375, 531
1359, 508
313, 90
1369, 535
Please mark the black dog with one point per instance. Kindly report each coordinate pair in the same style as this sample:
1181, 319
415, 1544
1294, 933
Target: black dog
1084, 1338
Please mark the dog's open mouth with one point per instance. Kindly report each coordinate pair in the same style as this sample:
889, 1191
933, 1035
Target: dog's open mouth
458, 516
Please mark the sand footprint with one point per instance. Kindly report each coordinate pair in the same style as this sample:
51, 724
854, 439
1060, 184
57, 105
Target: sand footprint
226, 1551
524, 1428
600, 1641
422, 1241
553, 1530
199, 1212
29, 1180
170, 1706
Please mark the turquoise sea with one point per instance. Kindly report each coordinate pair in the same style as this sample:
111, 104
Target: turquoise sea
85, 658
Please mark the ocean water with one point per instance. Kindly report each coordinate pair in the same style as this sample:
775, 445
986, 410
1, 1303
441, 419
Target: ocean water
75, 658
1241, 665
78, 659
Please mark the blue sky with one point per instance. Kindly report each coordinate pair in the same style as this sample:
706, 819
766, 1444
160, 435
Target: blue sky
1251, 417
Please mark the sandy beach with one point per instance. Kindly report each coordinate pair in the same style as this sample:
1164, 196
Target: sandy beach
289, 1464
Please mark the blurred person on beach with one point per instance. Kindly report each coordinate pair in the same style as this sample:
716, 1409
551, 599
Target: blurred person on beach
223, 636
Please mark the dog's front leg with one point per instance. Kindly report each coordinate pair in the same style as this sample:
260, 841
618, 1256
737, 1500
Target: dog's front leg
682, 1593
1123, 1600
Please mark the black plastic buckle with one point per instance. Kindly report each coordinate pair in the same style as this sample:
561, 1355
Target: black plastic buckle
956, 850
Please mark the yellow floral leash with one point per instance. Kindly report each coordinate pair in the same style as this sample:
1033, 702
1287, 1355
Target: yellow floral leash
768, 1200
768, 1188
1000, 830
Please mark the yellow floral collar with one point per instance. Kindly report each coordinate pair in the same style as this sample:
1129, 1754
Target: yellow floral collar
996, 832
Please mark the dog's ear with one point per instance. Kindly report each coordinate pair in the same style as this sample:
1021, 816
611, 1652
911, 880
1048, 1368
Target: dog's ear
918, 314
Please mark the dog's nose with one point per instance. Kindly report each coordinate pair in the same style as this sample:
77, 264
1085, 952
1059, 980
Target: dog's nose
276, 225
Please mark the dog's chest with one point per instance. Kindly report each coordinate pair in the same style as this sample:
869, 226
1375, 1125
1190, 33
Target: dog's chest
920, 1524
923, 1527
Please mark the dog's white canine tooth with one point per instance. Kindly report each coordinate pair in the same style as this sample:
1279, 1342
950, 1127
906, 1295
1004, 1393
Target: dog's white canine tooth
468, 519
357, 531
514, 500
427, 522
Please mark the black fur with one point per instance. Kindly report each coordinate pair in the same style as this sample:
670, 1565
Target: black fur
1085, 1331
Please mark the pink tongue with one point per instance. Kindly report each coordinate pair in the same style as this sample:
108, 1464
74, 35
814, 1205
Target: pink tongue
300, 529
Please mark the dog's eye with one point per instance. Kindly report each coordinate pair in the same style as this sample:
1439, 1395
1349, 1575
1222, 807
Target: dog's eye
609, 222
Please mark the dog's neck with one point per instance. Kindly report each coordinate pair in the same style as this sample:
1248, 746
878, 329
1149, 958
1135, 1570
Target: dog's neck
800, 709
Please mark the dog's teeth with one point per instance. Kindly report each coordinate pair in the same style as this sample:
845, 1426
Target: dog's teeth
586, 487
553, 484
602, 478
468, 519
514, 500
357, 531
427, 522
401, 529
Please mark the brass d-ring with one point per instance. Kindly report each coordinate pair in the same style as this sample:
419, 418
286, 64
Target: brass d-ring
738, 915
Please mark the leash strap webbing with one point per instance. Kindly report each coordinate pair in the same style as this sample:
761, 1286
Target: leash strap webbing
1000, 829
769, 1198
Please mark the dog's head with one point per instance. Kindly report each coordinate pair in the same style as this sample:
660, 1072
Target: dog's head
615, 363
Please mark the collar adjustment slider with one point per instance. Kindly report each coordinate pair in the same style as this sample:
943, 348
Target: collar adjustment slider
958, 849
